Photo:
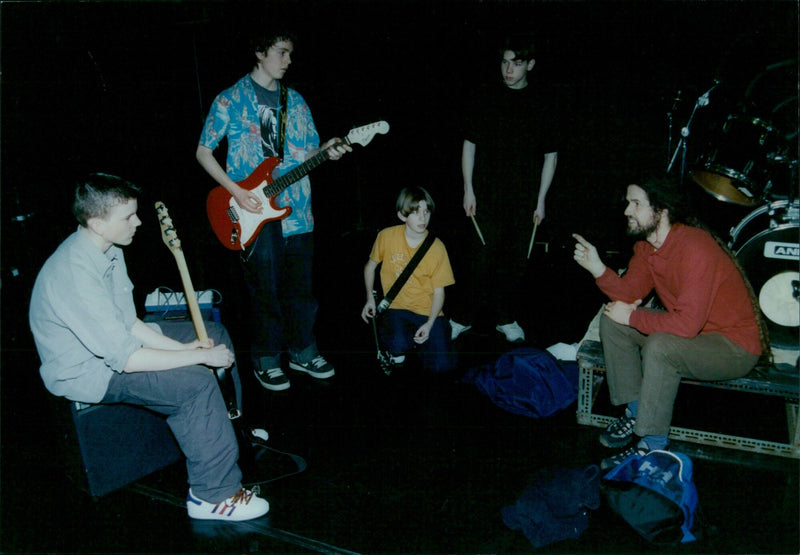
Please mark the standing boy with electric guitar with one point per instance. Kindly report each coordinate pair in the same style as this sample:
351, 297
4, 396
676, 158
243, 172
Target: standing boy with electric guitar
263, 119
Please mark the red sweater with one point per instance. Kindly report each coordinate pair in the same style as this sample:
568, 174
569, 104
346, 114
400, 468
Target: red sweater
696, 281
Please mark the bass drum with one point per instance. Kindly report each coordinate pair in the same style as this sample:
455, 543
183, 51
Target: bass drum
767, 245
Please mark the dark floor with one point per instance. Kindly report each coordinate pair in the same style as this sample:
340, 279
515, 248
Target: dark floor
399, 464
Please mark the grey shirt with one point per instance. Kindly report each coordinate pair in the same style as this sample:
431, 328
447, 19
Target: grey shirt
81, 315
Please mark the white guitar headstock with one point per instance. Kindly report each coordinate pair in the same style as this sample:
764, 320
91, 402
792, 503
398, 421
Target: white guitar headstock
363, 135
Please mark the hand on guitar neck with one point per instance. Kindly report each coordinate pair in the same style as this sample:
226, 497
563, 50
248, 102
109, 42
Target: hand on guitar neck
336, 148
250, 201
217, 356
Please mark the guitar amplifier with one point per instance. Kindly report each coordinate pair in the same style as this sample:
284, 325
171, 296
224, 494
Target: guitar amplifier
171, 305
120, 444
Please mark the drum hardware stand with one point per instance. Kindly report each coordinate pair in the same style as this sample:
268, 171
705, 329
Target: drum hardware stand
670, 121
792, 211
776, 218
701, 102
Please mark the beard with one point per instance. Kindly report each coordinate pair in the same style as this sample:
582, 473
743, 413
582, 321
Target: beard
642, 231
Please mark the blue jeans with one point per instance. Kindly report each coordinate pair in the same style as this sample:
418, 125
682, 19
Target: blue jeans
196, 414
278, 274
397, 328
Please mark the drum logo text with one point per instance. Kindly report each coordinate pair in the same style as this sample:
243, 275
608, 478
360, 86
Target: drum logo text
785, 251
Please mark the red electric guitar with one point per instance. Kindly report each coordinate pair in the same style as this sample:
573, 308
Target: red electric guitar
237, 228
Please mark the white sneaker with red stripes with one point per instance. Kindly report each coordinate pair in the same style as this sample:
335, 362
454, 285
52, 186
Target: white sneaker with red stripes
243, 505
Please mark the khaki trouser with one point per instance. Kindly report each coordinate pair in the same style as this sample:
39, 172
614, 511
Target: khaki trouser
649, 368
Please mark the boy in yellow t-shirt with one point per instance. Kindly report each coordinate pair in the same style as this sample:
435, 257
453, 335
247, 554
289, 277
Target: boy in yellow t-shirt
414, 320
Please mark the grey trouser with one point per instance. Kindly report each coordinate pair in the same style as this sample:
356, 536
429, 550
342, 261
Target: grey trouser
196, 414
649, 368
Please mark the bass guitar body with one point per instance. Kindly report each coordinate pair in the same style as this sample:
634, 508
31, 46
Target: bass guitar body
236, 228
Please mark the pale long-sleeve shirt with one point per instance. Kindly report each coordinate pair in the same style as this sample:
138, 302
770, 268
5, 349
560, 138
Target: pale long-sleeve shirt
81, 315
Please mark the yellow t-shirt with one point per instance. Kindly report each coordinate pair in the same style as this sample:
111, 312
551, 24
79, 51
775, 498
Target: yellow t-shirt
391, 250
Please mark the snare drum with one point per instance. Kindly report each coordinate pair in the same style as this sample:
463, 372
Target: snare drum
767, 245
735, 167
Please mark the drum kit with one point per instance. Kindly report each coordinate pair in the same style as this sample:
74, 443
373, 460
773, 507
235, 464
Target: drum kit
750, 160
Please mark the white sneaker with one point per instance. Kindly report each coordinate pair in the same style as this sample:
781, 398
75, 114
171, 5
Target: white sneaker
457, 329
243, 505
258, 435
512, 331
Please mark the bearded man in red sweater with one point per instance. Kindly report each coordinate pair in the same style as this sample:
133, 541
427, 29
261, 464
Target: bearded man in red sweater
708, 329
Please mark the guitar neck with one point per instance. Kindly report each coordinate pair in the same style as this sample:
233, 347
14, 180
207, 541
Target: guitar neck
277, 186
190, 296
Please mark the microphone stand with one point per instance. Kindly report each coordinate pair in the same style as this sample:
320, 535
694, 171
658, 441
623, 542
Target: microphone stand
701, 102
670, 121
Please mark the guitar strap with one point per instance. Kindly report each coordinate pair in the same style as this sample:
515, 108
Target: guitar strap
405, 274
383, 356
282, 117
228, 390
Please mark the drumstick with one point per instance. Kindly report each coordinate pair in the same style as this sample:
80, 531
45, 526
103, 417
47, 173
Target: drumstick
475, 223
533, 235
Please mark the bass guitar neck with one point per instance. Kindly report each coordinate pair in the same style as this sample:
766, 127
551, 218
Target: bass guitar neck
173, 243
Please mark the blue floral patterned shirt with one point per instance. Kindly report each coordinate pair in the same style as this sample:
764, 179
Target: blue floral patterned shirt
234, 114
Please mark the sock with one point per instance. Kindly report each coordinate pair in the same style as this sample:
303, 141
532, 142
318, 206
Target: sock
653, 442
632, 409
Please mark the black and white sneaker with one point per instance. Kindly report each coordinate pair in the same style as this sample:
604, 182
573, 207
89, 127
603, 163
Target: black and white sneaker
273, 379
318, 367
620, 432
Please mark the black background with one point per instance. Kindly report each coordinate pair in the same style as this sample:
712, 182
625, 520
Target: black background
123, 87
